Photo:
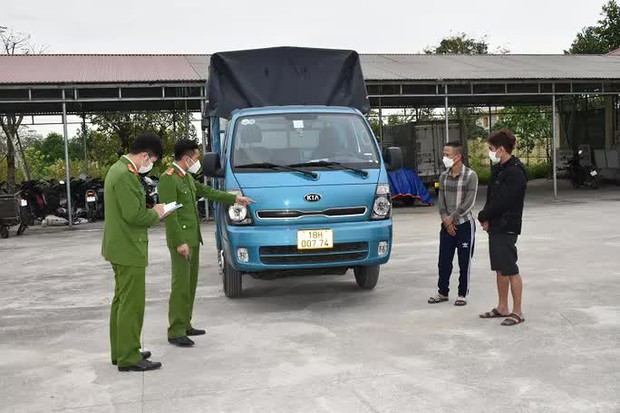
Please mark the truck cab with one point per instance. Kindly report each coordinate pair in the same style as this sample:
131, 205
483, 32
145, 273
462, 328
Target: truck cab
321, 188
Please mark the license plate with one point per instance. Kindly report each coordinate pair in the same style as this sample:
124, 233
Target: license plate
314, 239
90, 199
593, 173
24, 202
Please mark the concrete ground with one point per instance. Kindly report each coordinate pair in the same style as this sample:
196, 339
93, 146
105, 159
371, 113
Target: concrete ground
320, 344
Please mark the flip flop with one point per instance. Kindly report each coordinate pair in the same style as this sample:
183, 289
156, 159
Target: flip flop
492, 314
512, 320
460, 302
437, 299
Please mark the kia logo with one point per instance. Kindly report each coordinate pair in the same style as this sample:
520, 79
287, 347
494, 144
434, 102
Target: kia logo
312, 197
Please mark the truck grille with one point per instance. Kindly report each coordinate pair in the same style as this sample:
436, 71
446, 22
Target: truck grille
331, 212
342, 252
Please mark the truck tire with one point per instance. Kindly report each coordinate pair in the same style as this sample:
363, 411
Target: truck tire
4, 232
367, 277
231, 280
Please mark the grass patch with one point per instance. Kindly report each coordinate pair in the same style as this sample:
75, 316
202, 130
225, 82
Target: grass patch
534, 171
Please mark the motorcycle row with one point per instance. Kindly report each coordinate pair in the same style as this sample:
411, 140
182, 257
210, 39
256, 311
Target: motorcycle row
45, 202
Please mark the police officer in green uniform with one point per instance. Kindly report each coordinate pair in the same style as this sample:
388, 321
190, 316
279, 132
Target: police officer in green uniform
183, 236
125, 245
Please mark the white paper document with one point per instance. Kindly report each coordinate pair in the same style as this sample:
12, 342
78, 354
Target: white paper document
172, 206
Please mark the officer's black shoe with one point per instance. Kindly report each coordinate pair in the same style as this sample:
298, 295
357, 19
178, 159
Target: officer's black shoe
181, 341
145, 355
195, 332
142, 365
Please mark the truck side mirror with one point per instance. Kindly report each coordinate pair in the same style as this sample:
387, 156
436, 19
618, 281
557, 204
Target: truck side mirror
393, 158
211, 166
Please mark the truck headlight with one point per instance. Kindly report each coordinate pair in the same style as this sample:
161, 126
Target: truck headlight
382, 207
238, 214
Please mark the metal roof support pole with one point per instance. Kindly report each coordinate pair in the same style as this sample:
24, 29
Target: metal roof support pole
447, 118
380, 125
203, 127
174, 126
204, 150
68, 172
85, 148
186, 122
490, 119
555, 147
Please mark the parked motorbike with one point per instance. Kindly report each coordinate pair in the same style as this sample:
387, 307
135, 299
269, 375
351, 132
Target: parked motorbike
582, 174
93, 198
150, 187
14, 211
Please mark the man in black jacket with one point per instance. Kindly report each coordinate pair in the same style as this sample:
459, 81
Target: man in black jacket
501, 218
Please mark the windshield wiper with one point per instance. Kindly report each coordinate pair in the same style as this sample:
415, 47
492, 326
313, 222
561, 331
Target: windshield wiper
330, 164
269, 165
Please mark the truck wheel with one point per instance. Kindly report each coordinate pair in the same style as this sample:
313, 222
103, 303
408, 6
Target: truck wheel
367, 277
231, 279
4, 232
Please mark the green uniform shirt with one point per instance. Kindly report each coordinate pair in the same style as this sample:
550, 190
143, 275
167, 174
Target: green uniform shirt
183, 225
125, 238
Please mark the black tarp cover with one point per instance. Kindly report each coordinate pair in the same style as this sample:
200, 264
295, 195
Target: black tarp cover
285, 76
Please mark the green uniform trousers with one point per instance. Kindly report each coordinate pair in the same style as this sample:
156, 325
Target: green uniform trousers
127, 314
183, 291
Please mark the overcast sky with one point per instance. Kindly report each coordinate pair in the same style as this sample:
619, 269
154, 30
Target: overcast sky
381, 26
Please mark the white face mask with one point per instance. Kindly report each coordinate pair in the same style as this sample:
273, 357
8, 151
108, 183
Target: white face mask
194, 168
493, 157
447, 162
145, 169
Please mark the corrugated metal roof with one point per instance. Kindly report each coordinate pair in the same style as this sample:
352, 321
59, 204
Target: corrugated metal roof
489, 67
37, 69
52, 69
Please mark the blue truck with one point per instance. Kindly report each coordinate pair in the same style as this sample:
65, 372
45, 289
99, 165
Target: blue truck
297, 143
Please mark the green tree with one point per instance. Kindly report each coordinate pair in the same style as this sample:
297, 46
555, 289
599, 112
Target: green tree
12, 43
123, 128
463, 44
602, 37
459, 43
531, 125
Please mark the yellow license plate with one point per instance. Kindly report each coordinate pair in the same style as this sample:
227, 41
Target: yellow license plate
314, 239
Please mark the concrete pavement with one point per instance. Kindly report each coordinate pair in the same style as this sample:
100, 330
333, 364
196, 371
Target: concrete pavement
320, 344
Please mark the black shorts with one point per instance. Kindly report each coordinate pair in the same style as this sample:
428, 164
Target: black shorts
503, 252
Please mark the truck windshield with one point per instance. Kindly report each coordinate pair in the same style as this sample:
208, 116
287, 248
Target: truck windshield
319, 140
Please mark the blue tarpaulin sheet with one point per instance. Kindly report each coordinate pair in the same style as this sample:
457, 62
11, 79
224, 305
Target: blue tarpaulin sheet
407, 183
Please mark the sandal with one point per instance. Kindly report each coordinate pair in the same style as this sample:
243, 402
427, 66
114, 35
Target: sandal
493, 314
437, 299
512, 320
460, 302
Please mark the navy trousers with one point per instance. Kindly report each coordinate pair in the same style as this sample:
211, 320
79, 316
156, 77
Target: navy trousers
463, 242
